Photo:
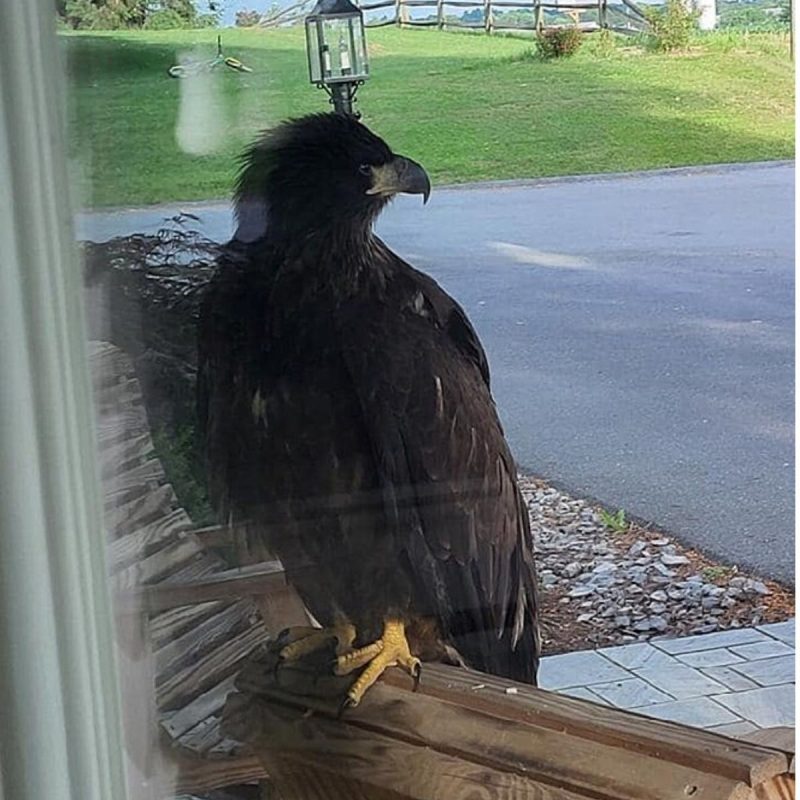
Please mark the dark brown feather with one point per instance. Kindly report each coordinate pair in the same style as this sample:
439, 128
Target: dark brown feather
345, 403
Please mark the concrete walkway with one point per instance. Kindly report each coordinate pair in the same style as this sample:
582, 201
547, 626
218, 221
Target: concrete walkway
732, 682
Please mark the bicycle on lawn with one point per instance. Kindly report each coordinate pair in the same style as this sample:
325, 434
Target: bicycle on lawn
190, 68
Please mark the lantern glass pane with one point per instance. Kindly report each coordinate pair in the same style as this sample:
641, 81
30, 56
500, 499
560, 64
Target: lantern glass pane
313, 51
359, 46
336, 52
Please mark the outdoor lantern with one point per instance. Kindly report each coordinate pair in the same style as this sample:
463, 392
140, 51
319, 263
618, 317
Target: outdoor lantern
337, 51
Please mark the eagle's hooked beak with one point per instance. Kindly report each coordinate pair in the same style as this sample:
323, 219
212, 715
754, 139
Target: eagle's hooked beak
400, 175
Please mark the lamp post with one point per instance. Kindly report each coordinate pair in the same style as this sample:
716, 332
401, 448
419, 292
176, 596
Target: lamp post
337, 51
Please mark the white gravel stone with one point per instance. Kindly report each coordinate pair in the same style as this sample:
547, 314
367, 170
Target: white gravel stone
756, 586
572, 569
670, 560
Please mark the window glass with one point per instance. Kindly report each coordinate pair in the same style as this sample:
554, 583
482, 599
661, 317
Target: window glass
377, 307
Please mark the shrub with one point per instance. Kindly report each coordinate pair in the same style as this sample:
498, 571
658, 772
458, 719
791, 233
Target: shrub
558, 42
602, 44
178, 449
671, 27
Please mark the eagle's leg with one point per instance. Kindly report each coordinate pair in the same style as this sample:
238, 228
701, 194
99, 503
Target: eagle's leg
307, 640
391, 650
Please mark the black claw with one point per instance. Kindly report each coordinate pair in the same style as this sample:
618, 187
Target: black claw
417, 676
276, 664
348, 702
283, 636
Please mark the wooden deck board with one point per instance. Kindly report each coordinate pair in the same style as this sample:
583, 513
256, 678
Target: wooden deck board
169, 625
605, 725
158, 566
201, 672
202, 639
120, 425
148, 508
205, 705
196, 648
124, 456
205, 735
121, 395
532, 736
147, 473
141, 543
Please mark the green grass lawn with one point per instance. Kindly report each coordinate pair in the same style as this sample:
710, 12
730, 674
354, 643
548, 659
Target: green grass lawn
469, 107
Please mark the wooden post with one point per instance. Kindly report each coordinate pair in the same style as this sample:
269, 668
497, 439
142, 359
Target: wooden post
398, 13
488, 20
537, 15
465, 734
440, 14
602, 14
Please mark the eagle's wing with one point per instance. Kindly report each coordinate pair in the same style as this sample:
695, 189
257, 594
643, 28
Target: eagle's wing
228, 343
447, 475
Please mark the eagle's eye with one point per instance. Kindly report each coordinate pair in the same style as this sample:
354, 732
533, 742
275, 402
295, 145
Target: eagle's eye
365, 169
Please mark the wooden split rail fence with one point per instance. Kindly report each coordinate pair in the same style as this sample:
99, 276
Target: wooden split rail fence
621, 16
624, 16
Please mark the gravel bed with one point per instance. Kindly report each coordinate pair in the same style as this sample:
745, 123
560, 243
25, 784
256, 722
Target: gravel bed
600, 587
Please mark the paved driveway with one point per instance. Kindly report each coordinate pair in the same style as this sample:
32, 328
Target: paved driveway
640, 334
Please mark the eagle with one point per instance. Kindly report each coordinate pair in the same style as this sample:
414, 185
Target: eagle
346, 413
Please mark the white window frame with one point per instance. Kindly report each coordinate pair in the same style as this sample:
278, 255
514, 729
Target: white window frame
60, 735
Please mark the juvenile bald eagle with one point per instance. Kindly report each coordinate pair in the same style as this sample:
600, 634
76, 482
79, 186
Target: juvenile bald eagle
347, 414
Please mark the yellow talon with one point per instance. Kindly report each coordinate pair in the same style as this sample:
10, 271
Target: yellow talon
349, 662
391, 650
308, 640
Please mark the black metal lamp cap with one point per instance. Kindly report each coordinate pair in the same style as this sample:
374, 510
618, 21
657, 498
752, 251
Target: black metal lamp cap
324, 7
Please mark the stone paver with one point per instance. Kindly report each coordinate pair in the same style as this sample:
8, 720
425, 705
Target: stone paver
691, 644
734, 729
753, 652
582, 693
632, 693
636, 656
732, 682
680, 681
700, 712
780, 630
769, 671
578, 669
731, 679
766, 707
718, 657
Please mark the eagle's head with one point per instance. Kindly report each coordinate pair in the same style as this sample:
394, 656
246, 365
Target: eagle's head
321, 172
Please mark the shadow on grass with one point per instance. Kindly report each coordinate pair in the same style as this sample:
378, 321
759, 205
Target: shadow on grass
90, 58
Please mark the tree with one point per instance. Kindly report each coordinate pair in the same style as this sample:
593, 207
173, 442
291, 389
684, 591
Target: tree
247, 19
105, 14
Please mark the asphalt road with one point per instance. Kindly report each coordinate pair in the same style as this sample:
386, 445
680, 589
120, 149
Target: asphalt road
640, 332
